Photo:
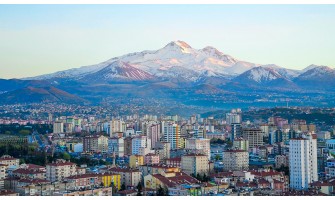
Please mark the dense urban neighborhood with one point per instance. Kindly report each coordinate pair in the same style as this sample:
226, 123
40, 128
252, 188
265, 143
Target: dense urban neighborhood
68, 150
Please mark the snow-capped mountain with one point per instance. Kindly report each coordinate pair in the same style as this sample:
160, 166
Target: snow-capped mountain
315, 71
176, 59
316, 77
178, 62
263, 76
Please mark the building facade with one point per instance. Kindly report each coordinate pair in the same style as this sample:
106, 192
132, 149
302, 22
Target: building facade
303, 161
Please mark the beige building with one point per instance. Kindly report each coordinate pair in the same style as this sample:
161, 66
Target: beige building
254, 136
96, 143
194, 164
199, 144
59, 170
235, 160
128, 176
9, 161
3, 174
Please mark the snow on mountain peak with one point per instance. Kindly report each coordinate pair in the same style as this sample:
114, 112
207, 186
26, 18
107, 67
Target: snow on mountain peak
260, 74
319, 67
179, 45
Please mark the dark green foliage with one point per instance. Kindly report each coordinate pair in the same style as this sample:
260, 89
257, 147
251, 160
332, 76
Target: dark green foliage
139, 189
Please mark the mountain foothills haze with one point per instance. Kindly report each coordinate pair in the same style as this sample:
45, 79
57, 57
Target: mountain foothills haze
41, 39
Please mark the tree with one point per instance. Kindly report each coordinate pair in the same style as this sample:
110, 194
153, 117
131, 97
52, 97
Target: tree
217, 157
166, 191
22, 161
8, 132
205, 178
123, 187
24, 132
139, 189
198, 177
114, 189
160, 191
66, 156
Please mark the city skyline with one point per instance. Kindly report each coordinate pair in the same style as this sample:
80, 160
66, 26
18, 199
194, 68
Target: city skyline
41, 39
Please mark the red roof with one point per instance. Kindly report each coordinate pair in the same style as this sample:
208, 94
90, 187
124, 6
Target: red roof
263, 174
31, 166
83, 176
115, 169
194, 154
28, 171
329, 182
6, 192
33, 181
180, 178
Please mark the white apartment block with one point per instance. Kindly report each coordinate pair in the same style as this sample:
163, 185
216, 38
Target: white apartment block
59, 170
199, 144
140, 142
58, 127
303, 161
116, 145
117, 125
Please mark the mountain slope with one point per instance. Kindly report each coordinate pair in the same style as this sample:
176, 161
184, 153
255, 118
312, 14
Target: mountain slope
118, 71
263, 76
38, 95
317, 77
14, 84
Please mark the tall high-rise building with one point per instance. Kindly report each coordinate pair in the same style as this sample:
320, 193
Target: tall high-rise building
235, 160
128, 145
254, 136
154, 133
117, 125
96, 143
236, 131
171, 134
116, 145
58, 127
303, 161
140, 142
235, 116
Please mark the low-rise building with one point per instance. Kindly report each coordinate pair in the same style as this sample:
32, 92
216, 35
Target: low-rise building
135, 161
151, 159
9, 161
129, 177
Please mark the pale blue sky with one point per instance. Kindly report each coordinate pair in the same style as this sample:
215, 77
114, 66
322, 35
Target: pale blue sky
39, 39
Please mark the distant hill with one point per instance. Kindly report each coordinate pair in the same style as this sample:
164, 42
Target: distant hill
39, 94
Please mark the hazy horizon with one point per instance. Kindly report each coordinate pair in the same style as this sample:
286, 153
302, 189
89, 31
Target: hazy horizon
42, 39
